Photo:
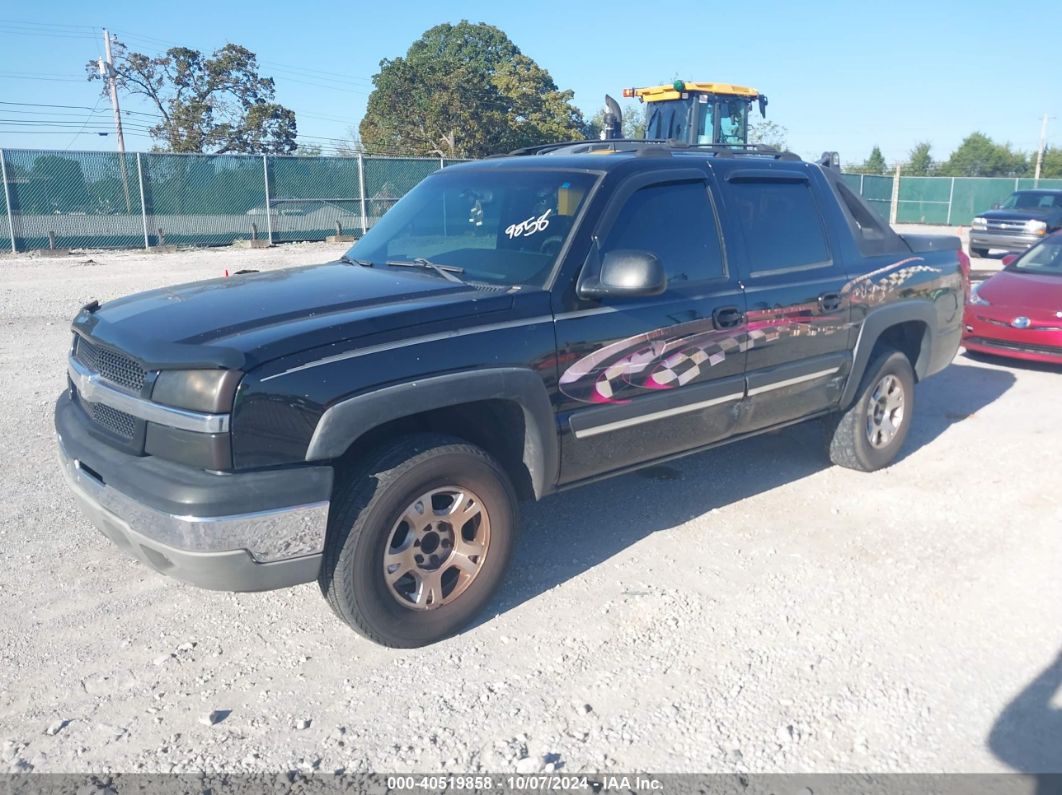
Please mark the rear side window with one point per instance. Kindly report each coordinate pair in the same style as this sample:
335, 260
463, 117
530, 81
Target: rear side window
872, 234
676, 222
783, 228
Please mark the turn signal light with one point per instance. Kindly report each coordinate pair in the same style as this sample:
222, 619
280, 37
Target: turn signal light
628, 92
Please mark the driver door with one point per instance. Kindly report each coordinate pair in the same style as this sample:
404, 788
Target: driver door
646, 377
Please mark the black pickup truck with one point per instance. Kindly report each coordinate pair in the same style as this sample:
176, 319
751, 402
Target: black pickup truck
511, 328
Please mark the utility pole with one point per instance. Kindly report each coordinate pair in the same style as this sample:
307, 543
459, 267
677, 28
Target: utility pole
107, 70
1040, 151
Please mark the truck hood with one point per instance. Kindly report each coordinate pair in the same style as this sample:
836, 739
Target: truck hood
1028, 292
1050, 214
245, 320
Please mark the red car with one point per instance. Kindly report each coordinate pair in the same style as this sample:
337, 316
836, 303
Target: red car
1018, 311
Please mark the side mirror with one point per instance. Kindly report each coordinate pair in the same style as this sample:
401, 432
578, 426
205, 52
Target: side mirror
626, 273
1008, 260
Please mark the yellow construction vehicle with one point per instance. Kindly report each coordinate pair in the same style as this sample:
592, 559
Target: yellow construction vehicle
694, 113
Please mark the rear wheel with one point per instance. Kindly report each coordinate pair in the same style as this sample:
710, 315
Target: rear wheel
870, 433
978, 252
418, 540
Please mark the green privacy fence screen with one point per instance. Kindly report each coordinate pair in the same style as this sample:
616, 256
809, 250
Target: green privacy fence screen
949, 201
105, 200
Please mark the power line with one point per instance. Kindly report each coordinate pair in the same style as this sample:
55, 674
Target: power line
289, 73
42, 34
44, 78
85, 123
45, 105
54, 25
24, 131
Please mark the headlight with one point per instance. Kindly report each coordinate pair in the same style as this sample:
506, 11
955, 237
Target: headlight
1035, 227
211, 391
980, 223
975, 296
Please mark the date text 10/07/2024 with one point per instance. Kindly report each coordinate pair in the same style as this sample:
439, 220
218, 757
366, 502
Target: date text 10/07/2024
524, 783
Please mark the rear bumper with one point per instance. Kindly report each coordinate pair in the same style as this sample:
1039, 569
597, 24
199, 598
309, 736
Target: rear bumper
206, 529
1015, 242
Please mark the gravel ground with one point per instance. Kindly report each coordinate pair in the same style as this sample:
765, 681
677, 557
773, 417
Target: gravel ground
747, 609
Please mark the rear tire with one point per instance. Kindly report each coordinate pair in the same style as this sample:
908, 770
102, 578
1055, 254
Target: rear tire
419, 537
869, 435
978, 252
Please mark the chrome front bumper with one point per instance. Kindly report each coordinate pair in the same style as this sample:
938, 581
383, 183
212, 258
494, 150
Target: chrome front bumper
1007, 241
241, 552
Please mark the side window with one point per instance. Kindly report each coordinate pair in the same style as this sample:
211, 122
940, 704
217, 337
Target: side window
872, 235
782, 226
676, 222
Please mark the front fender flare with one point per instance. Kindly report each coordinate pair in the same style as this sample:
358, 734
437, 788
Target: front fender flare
343, 422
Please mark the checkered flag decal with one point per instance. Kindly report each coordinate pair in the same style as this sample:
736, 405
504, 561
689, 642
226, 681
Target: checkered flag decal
662, 363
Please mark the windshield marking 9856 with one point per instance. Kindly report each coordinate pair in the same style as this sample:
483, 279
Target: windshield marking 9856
530, 226
500, 228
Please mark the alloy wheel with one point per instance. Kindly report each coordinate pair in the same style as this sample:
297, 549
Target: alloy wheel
885, 412
437, 547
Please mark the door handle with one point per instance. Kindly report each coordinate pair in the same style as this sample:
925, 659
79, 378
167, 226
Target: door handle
727, 317
830, 302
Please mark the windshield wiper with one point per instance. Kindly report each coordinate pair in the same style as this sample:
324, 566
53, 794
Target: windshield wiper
448, 272
349, 260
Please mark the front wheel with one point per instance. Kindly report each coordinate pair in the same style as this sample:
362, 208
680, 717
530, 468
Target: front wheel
870, 433
978, 252
418, 540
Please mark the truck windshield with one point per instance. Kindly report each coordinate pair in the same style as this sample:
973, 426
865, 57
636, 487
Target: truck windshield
502, 227
1029, 200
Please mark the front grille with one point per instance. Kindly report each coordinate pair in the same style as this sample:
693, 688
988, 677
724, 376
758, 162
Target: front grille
117, 422
115, 367
1005, 226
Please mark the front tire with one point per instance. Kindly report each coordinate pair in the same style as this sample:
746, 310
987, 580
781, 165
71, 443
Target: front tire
869, 435
418, 540
978, 252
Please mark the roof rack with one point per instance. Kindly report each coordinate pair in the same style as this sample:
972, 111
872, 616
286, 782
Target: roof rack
729, 150
590, 144
650, 145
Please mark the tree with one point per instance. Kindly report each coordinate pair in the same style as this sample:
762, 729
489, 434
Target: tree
216, 104
465, 90
919, 161
1052, 162
874, 164
767, 132
979, 156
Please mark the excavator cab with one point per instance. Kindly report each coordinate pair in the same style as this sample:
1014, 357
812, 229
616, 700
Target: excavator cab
694, 113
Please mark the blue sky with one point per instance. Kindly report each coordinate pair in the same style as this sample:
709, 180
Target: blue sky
839, 75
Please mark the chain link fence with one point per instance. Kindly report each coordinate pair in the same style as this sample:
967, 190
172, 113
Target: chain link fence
68, 200
945, 201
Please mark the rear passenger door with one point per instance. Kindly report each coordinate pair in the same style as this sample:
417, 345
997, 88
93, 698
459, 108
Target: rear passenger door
798, 310
642, 378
